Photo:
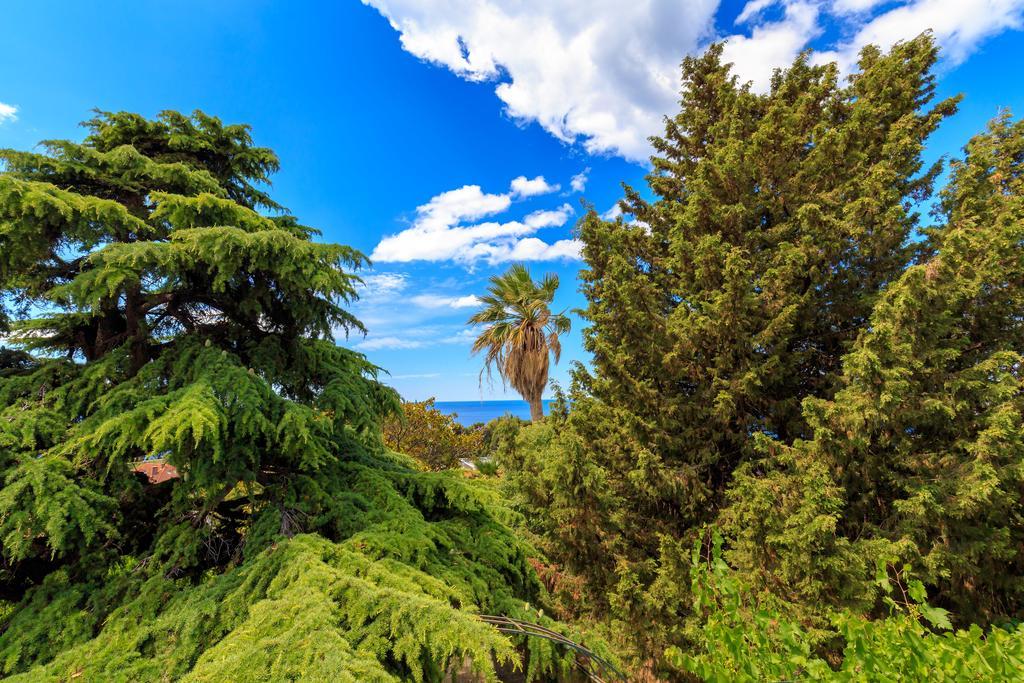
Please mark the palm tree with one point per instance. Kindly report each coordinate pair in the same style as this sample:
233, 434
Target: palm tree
520, 332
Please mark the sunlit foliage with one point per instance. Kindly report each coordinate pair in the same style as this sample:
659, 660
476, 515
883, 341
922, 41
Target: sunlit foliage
520, 332
161, 304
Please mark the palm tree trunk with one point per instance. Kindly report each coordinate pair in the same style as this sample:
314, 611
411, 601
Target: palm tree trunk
536, 409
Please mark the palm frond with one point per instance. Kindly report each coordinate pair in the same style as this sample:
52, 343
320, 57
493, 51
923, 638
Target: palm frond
520, 332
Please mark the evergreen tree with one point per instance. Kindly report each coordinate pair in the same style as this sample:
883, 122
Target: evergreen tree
163, 304
922, 447
170, 317
722, 305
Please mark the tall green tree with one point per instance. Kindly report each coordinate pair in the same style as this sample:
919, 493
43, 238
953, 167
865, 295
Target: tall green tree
169, 317
918, 457
163, 304
520, 332
716, 309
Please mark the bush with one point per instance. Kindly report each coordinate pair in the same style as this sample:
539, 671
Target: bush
742, 635
433, 438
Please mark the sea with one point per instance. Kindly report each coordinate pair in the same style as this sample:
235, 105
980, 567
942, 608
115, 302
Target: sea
468, 413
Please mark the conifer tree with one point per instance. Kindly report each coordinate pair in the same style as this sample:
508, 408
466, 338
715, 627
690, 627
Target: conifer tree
715, 310
921, 449
169, 318
782, 348
163, 304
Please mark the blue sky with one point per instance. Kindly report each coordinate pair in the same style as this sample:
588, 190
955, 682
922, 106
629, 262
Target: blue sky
448, 138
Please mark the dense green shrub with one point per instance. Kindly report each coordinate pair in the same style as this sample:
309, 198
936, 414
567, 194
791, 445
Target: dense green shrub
394, 601
743, 635
433, 438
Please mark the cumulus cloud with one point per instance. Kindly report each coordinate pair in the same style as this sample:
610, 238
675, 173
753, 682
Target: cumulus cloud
852, 6
612, 213
8, 112
548, 219
524, 187
528, 249
579, 181
603, 71
606, 71
752, 9
466, 203
771, 44
959, 27
445, 229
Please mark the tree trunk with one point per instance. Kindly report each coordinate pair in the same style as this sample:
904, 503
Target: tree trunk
536, 410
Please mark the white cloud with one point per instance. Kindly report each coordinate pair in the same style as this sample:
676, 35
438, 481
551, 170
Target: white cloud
771, 44
401, 313
381, 290
529, 249
959, 27
439, 301
548, 219
443, 229
612, 213
579, 181
604, 72
466, 203
752, 9
418, 338
389, 343
465, 335
381, 286
8, 112
523, 187
854, 6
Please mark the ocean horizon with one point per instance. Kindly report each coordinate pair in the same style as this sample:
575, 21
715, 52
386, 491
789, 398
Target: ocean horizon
468, 413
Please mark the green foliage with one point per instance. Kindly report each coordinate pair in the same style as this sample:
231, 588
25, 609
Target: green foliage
718, 308
41, 500
734, 296
919, 453
562, 493
743, 635
395, 600
782, 349
434, 438
500, 434
158, 312
378, 595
